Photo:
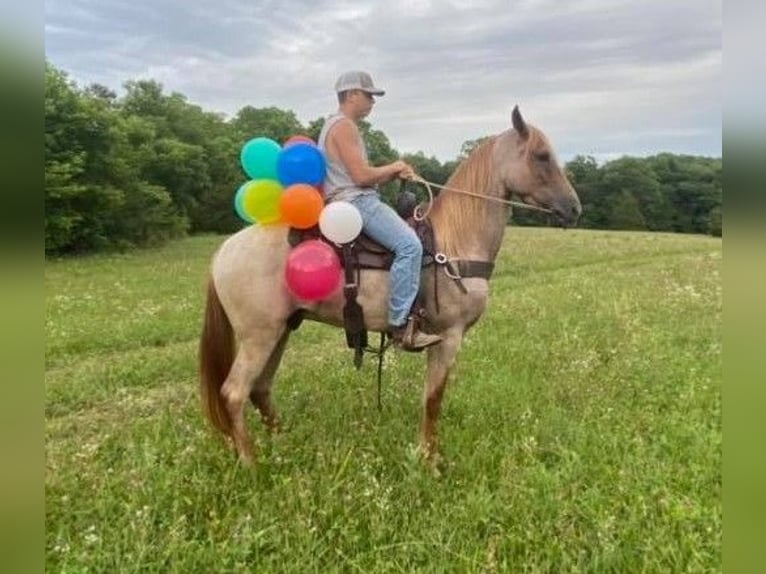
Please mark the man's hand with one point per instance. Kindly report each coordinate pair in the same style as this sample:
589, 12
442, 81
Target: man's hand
404, 170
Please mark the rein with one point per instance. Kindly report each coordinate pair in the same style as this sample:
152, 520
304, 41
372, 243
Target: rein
420, 215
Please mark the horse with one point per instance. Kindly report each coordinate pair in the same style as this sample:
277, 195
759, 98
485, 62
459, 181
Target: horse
248, 308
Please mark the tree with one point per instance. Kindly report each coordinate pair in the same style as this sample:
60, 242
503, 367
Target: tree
64, 160
693, 186
214, 210
315, 128
270, 122
634, 176
94, 195
626, 212
100, 92
584, 175
715, 225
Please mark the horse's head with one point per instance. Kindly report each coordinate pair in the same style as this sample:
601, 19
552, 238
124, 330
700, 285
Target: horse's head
529, 169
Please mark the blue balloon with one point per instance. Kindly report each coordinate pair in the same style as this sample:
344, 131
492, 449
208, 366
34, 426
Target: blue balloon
259, 158
239, 207
300, 163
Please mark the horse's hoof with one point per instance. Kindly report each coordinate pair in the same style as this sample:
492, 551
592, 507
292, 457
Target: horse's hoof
246, 461
437, 464
430, 456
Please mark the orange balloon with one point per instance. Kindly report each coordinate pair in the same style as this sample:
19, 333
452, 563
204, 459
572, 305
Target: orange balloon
300, 206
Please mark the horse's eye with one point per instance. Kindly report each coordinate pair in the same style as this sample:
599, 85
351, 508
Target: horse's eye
543, 156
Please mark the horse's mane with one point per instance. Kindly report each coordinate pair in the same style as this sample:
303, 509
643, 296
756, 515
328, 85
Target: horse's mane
456, 215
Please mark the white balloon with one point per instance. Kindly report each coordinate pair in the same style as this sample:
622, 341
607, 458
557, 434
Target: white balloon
340, 222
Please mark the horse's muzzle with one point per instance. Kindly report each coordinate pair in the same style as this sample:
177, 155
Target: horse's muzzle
567, 212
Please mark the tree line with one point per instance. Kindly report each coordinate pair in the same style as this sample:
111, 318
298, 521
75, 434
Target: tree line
149, 166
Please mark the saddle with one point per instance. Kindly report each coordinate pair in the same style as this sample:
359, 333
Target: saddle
366, 253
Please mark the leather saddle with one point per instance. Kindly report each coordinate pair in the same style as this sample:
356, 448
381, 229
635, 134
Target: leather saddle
365, 253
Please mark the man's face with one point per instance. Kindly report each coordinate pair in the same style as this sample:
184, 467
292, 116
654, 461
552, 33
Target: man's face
364, 102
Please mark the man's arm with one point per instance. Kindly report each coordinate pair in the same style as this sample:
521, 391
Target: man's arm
343, 145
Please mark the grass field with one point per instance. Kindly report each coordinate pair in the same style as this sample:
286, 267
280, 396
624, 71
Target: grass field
581, 430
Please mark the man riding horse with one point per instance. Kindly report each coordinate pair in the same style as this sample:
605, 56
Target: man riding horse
351, 178
249, 309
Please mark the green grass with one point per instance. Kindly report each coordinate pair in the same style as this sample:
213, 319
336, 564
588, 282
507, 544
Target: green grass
581, 429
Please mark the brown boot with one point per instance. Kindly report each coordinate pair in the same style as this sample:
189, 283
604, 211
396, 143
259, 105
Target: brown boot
409, 338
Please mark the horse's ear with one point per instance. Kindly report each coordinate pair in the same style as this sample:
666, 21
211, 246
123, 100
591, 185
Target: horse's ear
519, 124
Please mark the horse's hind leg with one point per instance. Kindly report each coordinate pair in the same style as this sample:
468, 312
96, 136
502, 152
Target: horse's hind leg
260, 396
251, 361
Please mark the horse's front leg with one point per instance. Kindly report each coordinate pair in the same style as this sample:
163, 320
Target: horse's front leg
441, 357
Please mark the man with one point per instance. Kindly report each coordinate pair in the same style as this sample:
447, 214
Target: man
351, 178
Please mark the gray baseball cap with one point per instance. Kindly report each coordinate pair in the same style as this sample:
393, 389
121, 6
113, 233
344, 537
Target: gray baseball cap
357, 80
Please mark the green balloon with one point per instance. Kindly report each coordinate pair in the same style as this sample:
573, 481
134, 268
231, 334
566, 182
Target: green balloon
261, 201
259, 158
239, 207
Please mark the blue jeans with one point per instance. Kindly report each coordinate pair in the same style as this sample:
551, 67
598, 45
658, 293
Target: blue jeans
384, 225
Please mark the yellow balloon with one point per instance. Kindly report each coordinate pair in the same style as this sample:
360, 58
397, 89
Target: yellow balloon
261, 200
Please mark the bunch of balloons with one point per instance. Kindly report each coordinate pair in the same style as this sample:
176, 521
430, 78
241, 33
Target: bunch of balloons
285, 188
284, 181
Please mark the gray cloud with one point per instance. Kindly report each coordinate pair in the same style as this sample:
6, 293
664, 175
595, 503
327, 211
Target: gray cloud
601, 78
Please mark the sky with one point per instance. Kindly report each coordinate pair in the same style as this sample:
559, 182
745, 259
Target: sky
604, 78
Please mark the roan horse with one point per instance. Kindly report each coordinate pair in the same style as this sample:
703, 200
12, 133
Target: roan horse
248, 306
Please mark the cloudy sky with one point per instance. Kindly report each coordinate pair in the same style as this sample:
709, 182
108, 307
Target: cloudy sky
600, 77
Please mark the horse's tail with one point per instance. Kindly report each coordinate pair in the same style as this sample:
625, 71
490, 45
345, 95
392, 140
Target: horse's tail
216, 355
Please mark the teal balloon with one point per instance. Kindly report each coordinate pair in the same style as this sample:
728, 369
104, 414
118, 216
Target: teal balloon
239, 205
259, 158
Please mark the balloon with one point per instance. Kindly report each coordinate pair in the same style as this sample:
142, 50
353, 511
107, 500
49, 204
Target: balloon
300, 163
261, 200
340, 222
239, 205
300, 206
313, 270
298, 139
259, 158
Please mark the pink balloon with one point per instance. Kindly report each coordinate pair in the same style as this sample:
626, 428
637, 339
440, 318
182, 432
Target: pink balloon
313, 270
298, 139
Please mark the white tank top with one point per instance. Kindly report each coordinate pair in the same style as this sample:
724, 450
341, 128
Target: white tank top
338, 184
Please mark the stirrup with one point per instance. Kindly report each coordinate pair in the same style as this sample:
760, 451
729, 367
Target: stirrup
409, 338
